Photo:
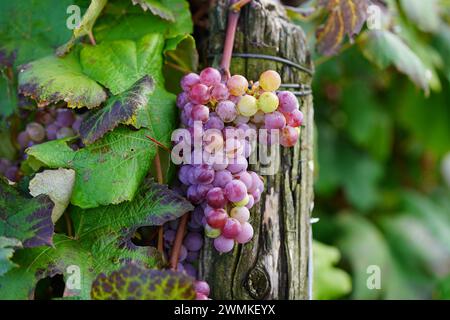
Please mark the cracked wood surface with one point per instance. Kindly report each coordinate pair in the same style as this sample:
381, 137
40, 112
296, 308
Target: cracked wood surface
274, 265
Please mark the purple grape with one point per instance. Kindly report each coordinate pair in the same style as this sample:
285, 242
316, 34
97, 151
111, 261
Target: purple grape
174, 224
193, 241
189, 80
235, 191
214, 122
51, 131
237, 165
202, 287
44, 117
192, 256
182, 99
222, 178
35, 131
65, 132
23, 139
190, 270
77, 124
200, 112
65, 117
183, 174
203, 189
12, 173
169, 236
193, 195
204, 174
4, 164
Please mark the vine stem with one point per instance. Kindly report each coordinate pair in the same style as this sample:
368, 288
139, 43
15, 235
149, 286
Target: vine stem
233, 18
178, 241
160, 178
68, 224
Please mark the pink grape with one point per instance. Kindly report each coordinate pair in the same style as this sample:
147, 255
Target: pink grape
294, 118
274, 120
246, 233
251, 202
223, 244
189, 80
200, 112
216, 218
216, 198
203, 189
202, 287
238, 164
245, 177
220, 92
288, 101
242, 214
235, 191
289, 137
226, 110
210, 76
199, 296
199, 94
237, 85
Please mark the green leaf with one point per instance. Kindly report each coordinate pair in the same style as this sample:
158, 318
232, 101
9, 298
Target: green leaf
156, 7
31, 29
154, 205
424, 14
384, 48
108, 171
102, 243
181, 57
25, 219
7, 247
135, 283
329, 281
133, 24
52, 79
58, 185
118, 110
8, 96
119, 64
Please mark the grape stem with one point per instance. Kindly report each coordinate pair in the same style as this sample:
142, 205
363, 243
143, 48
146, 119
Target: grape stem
178, 241
160, 178
233, 18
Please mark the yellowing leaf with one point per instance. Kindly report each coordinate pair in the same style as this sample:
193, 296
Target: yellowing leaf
58, 185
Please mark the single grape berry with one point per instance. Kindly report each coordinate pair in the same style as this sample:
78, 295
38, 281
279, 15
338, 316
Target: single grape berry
193, 241
288, 101
237, 85
211, 232
243, 202
289, 137
220, 92
242, 214
246, 233
268, 102
235, 191
216, 198
189, 80
226, 110
202, 287
270, 80
200, 112
199, 94
35, 131
223, 244
247, 105
210, 76
217, 218
231, 228
294, 118
274, 120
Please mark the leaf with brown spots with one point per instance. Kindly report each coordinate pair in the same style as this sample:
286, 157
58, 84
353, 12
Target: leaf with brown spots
136, 283
345, 17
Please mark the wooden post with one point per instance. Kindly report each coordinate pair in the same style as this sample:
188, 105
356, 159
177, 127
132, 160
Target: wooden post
274, 265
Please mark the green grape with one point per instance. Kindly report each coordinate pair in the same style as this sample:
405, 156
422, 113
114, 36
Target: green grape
247, 105
268, 102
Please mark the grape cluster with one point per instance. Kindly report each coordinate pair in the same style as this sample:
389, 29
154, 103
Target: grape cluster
48, 124
221, 113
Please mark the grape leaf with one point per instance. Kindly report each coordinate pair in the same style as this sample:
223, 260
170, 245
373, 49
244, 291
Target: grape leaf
7, 247
58, 185
8, 96
425, 14
102, 243
181, 57
384, 48
31, 29
134, 24
156, 7
329, 281
135, 283
126, 154
119, 64
52, 79
118, 110
25, 219
345, 17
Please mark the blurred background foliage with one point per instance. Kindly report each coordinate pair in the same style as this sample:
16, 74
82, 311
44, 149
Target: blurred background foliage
383, 147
